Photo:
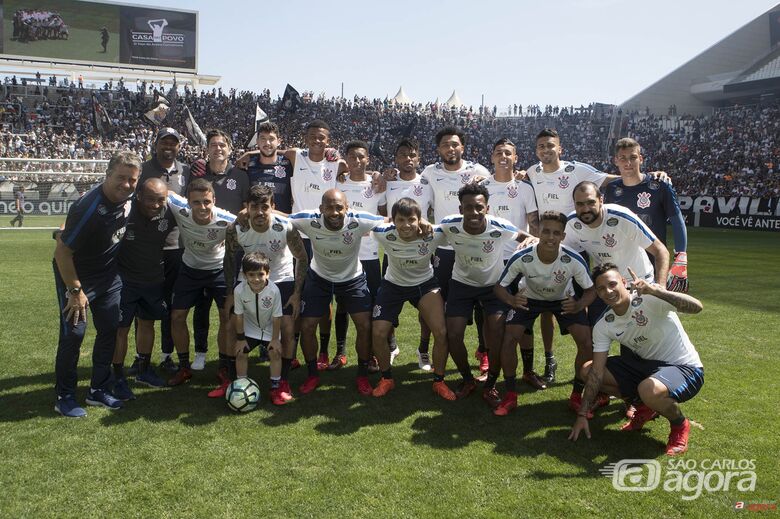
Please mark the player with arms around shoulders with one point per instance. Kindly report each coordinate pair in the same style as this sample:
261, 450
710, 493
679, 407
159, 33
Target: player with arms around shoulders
547, 269
257, 314
658, 362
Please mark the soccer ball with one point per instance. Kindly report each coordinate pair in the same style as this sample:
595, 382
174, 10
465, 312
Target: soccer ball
243, 395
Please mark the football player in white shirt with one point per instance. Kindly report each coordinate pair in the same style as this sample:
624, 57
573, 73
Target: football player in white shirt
274, 236
258, 315
202, 228
547, 269
335, 271
409, 277
657, 361
478, 241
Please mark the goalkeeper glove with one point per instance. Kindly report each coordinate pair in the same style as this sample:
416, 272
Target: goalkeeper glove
677, 281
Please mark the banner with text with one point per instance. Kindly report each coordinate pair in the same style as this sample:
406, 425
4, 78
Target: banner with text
731, 212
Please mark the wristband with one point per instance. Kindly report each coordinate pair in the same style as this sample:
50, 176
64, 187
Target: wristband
240, 337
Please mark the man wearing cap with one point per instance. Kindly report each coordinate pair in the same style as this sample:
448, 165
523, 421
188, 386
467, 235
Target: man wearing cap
176, 175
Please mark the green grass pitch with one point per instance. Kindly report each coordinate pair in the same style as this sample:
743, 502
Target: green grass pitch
174, 452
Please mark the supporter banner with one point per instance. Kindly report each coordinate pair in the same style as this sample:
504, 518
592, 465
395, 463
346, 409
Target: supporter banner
732, 212
37, 207
73, 31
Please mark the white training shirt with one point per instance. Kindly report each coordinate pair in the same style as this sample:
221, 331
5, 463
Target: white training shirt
335, 253
310, 180
511, 201
408, 262
620, 239
204, 245
272, 243
546, 281
415, 189
479, 258
362, 197
258, 309
650, 328
554, 191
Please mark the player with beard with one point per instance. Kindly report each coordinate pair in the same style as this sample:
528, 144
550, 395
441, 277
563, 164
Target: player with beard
270, 168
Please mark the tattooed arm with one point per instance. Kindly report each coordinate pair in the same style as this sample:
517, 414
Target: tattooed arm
683, 303
229, 263
295, 244
592, 386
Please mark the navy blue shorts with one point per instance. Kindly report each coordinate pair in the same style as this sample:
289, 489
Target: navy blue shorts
629, 370
192, 283
146, 302
253, 343
286, 289
319, 292
373, 275
391, 298
462, 299
537, 307
443, 263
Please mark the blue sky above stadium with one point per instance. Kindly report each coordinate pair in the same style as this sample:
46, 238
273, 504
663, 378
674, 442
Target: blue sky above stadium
563, 52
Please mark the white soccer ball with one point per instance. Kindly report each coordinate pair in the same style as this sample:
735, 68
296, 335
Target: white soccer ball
243, 395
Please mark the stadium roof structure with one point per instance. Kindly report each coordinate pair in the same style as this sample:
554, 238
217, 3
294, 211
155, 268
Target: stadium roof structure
742, 68
454, 100
401, 97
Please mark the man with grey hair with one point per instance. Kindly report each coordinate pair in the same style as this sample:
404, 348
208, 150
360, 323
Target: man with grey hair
86, 276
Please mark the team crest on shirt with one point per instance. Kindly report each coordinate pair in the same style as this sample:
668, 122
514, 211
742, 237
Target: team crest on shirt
527, 258
511, 191
231, 184
577, 225
353, 225
565, 259
618, 191
612, 222
636, 302
391, 237
101, 209
560, 276
275, 245
639, 317
563, 182
653, 185
280, 172
266, 302
349, 237
510, 314
162, 226
495, 234
454, 230
368, 192
418, 190
643, 200
277, 227
424, 181
222, 223
569, 168
212, 234
184, 212
487, 246
465, 178
422, 249
538, 169
609, 240
327, 175
377, 311
315, 224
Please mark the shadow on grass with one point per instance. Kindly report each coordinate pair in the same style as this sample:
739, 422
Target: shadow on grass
536, 428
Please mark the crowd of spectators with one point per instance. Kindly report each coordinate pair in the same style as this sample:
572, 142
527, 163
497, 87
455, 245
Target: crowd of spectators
731, 152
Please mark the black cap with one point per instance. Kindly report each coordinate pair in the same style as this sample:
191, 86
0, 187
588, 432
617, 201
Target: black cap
168, 131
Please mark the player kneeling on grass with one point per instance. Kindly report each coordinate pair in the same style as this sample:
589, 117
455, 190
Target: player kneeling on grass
258, 319
409, 277
658, 364
547, 269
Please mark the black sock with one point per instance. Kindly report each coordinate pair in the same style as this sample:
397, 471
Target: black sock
119, 371
478, 320
678, 421
342, 324
528, 360
548, 356
274, 383
388, 374
231, 367
324, 340
184, 359
438, 378
510, 383
579, 385
341, 347
424, 345
466, 374
311, 366
144, 360
362, 368
286, 368
490, 382
223, 361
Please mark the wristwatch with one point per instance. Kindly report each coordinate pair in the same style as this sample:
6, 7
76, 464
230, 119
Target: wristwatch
73, 291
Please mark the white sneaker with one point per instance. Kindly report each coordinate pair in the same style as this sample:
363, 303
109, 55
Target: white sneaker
423, 361
199, 364
394, 354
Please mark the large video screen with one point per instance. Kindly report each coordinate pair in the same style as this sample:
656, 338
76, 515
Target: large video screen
73, 31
